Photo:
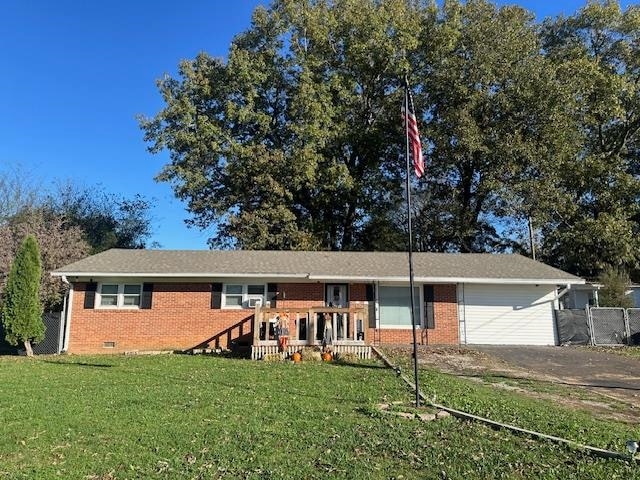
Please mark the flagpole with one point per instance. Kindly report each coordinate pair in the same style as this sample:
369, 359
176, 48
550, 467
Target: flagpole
411, 294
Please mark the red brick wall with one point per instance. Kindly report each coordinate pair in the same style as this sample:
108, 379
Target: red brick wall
180, 318
445, 310
300, 295
358, 292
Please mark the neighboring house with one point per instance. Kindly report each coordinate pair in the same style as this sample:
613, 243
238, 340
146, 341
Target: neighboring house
581, 296
126, 300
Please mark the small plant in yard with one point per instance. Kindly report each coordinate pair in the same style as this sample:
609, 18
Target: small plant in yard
21, 307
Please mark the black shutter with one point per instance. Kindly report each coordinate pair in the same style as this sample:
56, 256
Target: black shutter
216, 295
428, 306
370, 292
147, 296
90, 295
272, 293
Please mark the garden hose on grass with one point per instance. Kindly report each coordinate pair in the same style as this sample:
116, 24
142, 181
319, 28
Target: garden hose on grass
599, 452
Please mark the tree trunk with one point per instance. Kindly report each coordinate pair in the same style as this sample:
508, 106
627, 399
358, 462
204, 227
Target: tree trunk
27, 347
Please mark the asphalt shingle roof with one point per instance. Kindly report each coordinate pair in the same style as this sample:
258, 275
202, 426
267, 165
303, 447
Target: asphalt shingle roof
316, 265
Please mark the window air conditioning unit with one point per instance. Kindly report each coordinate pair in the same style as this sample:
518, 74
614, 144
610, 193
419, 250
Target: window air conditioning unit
255, 302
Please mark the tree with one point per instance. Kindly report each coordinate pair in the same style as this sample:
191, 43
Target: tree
106, 220
295, 141
59, 244
492, 119
21, 307
598, 57
615, 284
17, 192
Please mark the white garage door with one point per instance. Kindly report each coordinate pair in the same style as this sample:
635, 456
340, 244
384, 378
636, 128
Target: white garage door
509, 314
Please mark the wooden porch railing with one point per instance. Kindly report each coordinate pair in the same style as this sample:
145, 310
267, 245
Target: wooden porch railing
306, 325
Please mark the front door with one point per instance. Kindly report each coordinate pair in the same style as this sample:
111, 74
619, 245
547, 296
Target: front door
337, 296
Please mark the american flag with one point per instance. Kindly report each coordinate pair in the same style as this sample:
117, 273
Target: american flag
411, 123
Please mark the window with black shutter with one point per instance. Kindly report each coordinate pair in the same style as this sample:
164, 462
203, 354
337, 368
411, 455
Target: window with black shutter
147, 296
428, 307
216, 295
90, 295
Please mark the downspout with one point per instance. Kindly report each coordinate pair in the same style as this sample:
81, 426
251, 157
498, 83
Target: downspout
67, 314
559, 295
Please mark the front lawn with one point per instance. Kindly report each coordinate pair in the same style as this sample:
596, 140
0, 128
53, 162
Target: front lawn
204, 417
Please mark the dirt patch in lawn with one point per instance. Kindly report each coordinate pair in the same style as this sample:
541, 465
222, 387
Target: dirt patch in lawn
483, 368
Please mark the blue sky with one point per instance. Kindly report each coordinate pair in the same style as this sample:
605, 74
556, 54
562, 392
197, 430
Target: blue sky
75, 74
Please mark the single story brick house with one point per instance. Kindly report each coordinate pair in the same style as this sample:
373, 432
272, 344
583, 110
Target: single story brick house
136, 300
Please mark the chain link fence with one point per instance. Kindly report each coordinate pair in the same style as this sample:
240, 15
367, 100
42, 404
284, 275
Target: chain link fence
598, 326
633, 318
608, 326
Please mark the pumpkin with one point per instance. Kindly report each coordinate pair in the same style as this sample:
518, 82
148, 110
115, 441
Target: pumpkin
327, 357
296, 357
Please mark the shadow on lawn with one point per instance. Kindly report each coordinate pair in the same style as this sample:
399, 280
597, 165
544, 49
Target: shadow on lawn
79, 364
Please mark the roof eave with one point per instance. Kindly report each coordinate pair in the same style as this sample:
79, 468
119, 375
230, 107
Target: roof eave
334, 278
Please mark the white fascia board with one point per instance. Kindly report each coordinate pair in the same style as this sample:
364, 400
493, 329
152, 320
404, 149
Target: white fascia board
329, 278
495, 281
178, 275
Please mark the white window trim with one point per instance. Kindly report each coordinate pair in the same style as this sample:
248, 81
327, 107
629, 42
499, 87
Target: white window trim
119, 297
245, 296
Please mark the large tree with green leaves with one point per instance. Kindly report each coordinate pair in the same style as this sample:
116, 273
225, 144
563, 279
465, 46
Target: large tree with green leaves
293, 142
596, 221
21, 307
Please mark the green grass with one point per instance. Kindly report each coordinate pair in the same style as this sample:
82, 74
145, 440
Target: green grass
521, 410
204, 417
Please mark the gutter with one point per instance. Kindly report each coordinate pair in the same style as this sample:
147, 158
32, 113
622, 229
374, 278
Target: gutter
330, 278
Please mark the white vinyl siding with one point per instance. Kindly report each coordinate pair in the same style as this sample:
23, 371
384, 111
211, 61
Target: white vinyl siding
509, 314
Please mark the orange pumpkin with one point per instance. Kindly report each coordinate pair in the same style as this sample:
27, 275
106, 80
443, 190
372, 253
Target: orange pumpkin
296, 357
327, 357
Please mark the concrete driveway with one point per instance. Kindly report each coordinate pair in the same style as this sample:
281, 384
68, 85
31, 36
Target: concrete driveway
581, 366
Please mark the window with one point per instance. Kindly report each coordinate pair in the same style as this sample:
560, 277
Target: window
243, 296
395, 306
109, 296
120, 295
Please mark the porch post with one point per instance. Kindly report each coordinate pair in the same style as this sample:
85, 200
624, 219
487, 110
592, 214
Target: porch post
257, 314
